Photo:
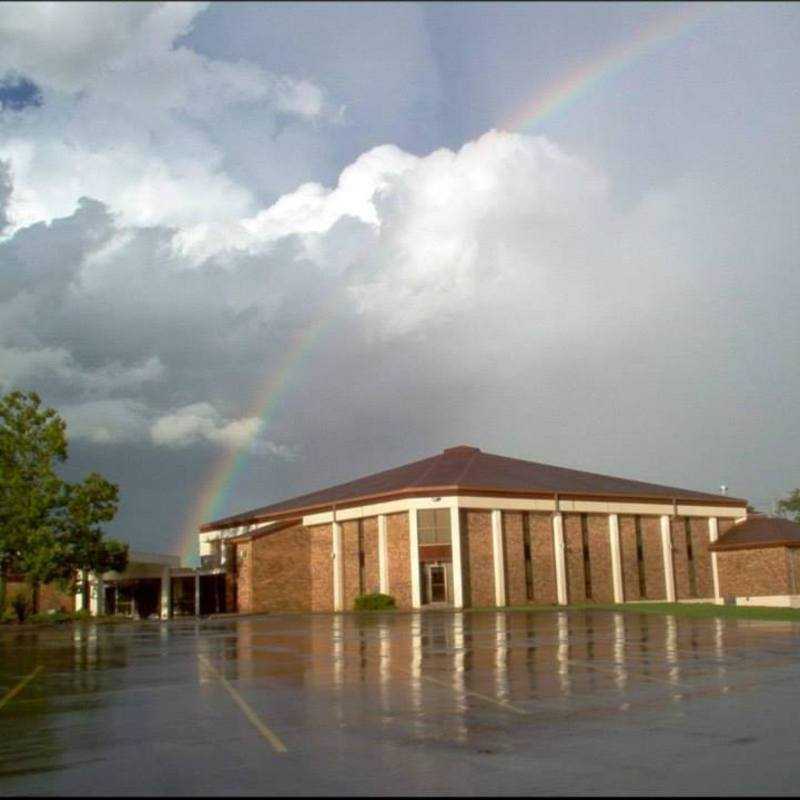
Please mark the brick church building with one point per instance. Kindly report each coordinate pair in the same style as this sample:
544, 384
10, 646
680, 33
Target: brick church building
465, 528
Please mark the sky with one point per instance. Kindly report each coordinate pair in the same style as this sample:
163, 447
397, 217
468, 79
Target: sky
252, 250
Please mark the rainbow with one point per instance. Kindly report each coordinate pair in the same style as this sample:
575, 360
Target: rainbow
559, 95
578, 82
214, 494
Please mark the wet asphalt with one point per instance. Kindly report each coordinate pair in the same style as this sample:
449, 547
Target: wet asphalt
585, 702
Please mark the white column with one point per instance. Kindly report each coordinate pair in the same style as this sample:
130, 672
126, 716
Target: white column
79, 592
197, 594
666, 551
383, 555
458, 574
713, 535
616, 558
413, 554
96, 595
497, 558
166, 593
558, 552
338, 566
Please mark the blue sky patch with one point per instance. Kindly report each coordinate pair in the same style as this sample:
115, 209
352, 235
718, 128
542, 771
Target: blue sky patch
17, 92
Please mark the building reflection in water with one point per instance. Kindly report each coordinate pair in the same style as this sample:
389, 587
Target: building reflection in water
562, 652
443, 675
620, 672
671, 652
501, 657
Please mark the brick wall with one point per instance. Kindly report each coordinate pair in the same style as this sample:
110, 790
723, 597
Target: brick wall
680, 558
573, 556
630, 563
321, 567
399, 560
702, 556
600, 558
476, 558
724, 525
351, 567
244, 577
655, 588
281, 574
50, 597
369, 534
514, 559
543, 558
744, 573
230, 591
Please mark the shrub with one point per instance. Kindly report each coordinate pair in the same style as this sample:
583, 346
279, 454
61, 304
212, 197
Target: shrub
19, 602
49, 617
374, 602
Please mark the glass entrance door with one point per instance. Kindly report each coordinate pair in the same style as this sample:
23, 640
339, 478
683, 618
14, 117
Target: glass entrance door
435, 583
438, 584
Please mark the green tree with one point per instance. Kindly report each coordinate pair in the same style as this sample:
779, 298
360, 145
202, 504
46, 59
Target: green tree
49, 529
790, 506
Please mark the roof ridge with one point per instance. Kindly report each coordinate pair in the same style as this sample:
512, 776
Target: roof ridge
466, 467
434, 460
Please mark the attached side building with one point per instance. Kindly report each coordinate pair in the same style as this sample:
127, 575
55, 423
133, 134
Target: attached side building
468, 528
759, 562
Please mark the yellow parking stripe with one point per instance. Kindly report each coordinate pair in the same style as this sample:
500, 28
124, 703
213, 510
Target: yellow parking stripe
20, 686
251, 715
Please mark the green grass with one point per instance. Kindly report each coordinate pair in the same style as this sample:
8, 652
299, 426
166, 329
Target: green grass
59, 618
691, 610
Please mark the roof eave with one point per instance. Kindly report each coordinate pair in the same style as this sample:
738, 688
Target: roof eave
423, 491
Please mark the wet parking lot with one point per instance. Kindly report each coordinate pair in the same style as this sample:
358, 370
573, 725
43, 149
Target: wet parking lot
546, 702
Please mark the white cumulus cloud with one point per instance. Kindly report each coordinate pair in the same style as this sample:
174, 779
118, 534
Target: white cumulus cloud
129, 112
202, 422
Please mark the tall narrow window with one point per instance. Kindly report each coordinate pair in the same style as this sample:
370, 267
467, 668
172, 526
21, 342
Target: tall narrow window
360, 557
587, 565
640, 558
690, 560
528, 552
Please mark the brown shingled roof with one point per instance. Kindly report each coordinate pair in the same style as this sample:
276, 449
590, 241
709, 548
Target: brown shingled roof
468, 469
759, 531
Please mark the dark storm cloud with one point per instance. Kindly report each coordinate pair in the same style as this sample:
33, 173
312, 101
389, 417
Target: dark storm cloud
18, 92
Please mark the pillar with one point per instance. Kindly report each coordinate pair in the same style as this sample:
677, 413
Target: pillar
666, 551
413, 545
561, 564
616, 558
383, 555
197, 594
497, 558
338, 566
458, 573
713, 535
96, 595
79, 596
166, 593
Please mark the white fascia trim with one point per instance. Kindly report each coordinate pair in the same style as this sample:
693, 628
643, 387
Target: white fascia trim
518, 504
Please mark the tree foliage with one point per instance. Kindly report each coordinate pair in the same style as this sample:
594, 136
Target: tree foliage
49, 528
790, 506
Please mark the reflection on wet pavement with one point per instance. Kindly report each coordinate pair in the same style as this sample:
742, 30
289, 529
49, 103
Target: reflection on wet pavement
439, 702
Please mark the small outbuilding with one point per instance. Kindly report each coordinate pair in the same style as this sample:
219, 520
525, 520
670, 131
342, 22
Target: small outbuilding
758, 561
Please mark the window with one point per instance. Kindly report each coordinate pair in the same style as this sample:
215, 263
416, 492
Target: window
528, 554
640, 559
433, 526
690, 559
587, 565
